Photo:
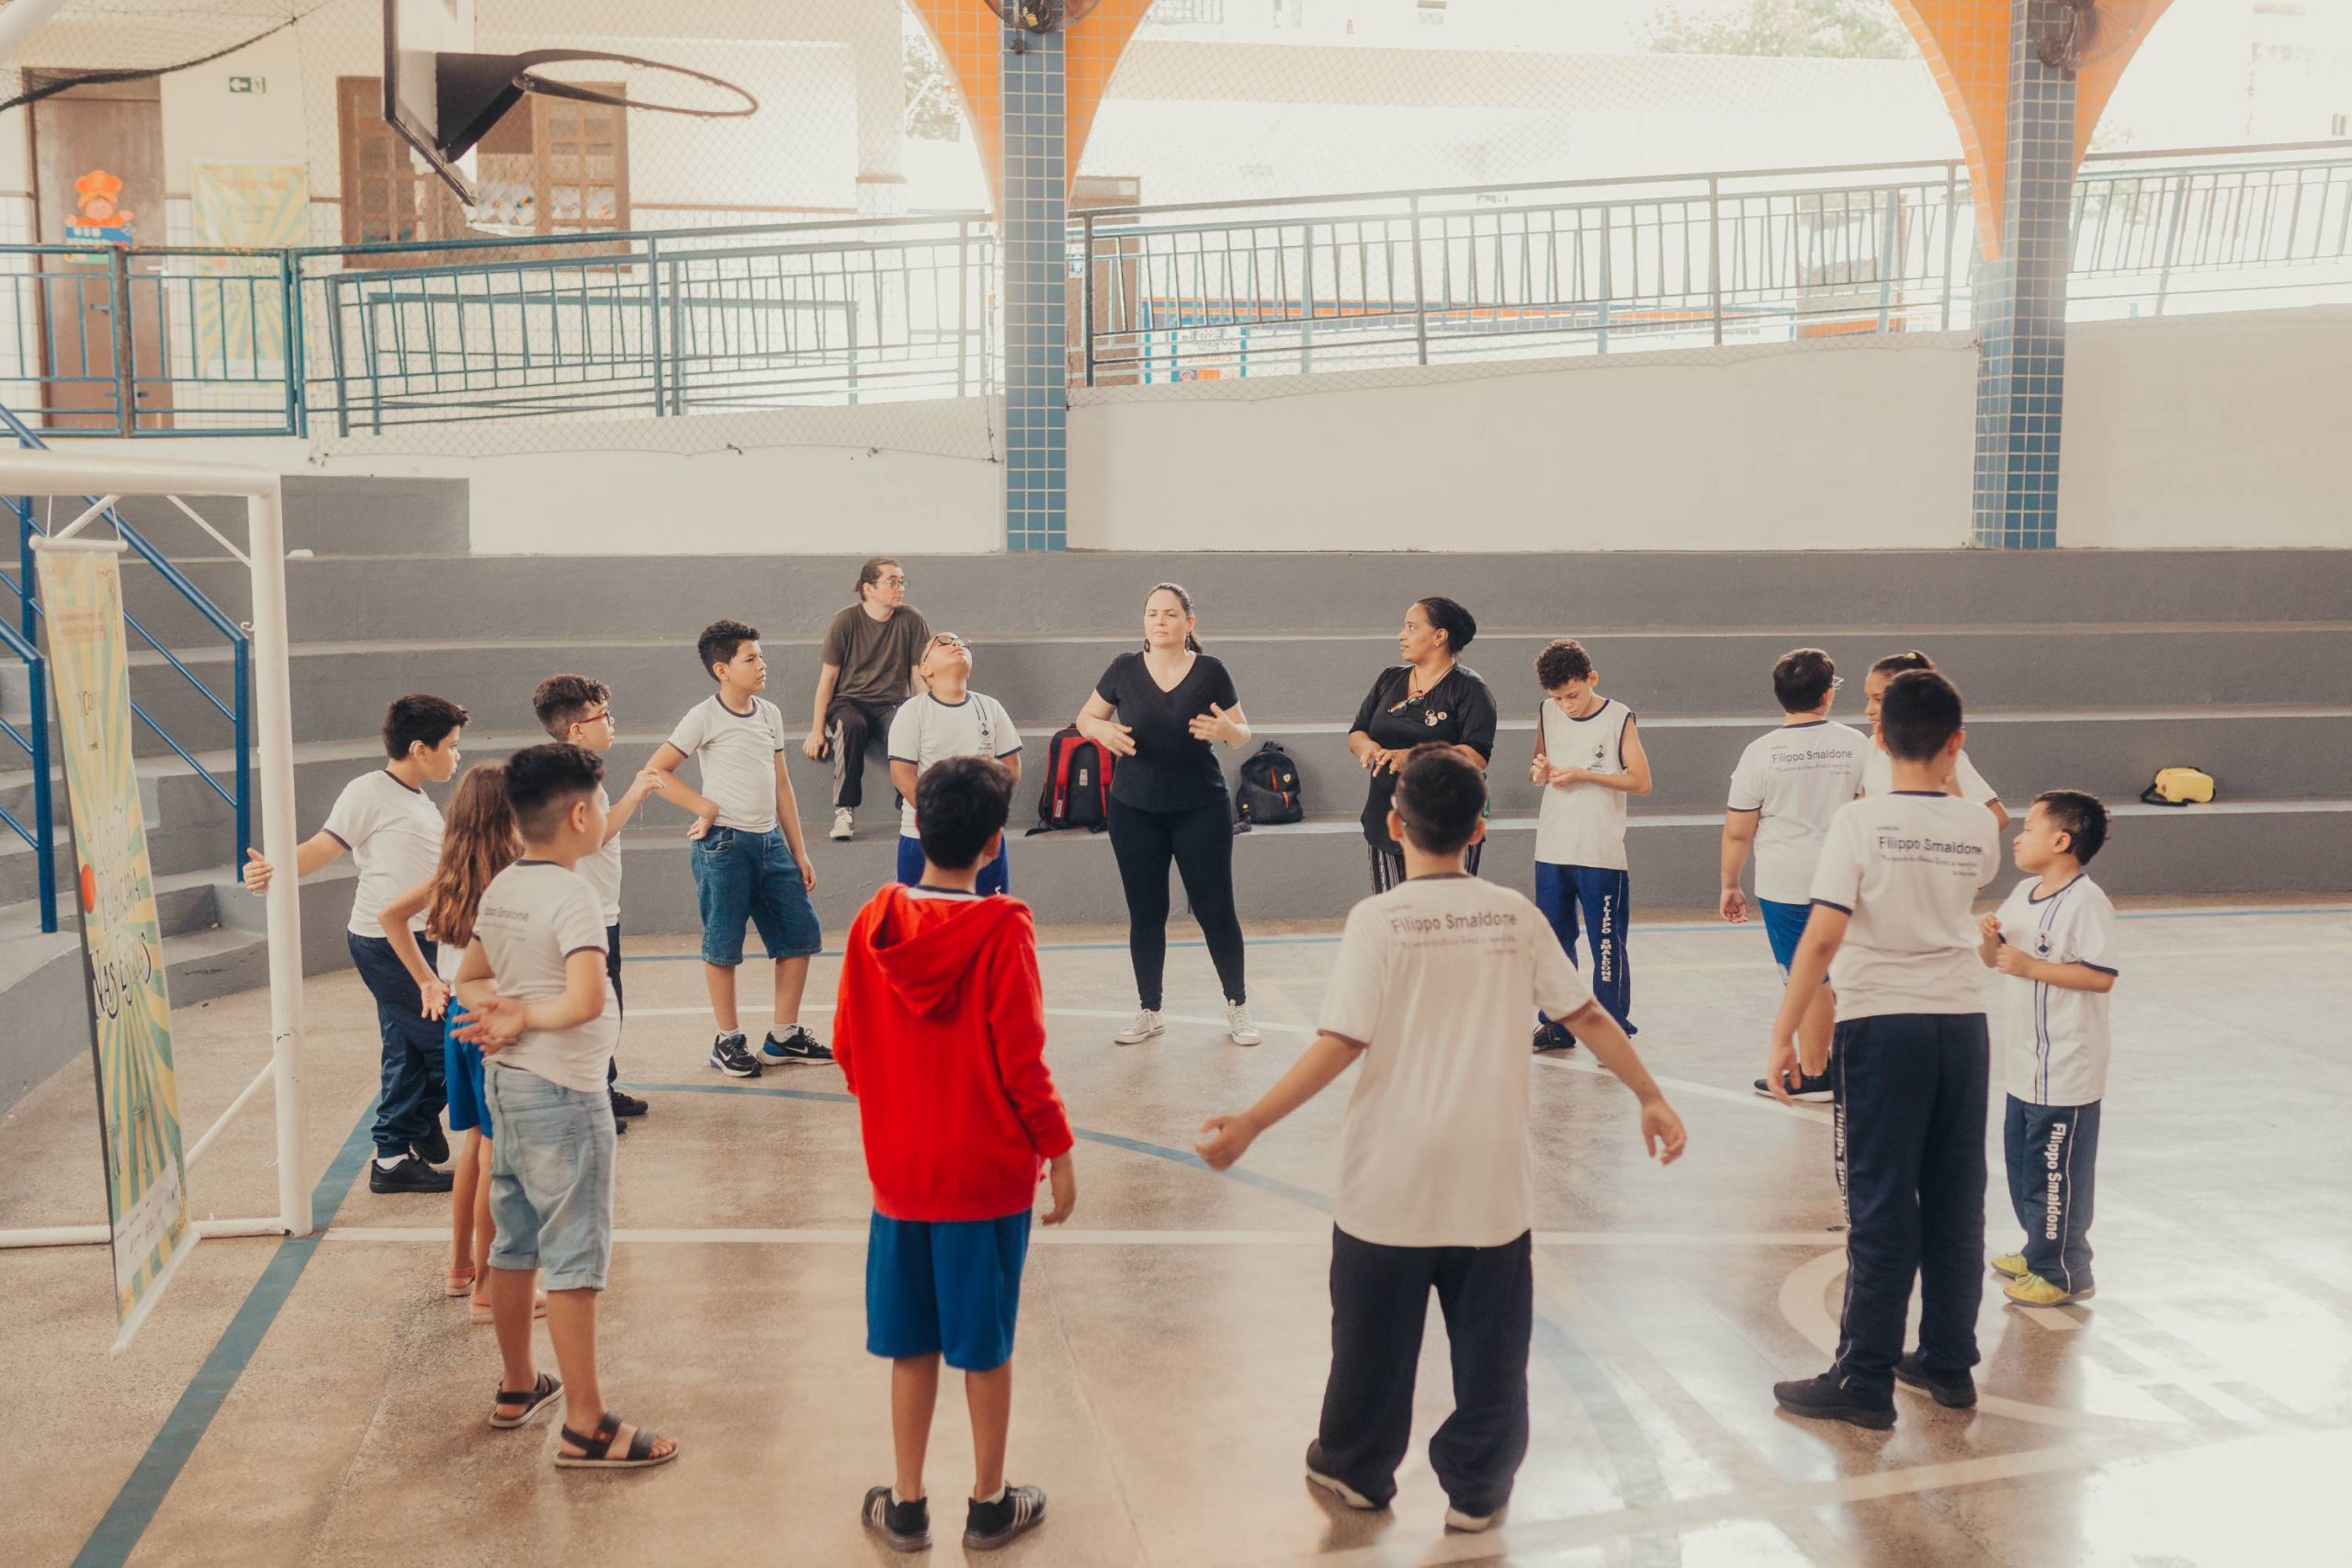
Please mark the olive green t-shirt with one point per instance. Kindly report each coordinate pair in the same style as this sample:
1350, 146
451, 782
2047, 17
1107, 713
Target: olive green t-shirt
876, 658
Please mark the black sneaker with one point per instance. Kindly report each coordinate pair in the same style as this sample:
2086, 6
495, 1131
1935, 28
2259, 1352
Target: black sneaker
433, 1148
1318, 1471
1809, 1092
987, 1526
1953, 1390
1554, 1037
626, 1104
905, 1527
797, 1048
1823, 1399
728, 1055
409, 1174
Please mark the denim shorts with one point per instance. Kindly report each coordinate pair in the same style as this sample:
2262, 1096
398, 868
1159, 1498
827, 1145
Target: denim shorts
550, 1179
740, 877
950, 1288
461, 1066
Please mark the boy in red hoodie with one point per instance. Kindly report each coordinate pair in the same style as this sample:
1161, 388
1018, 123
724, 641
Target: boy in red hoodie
940, 1031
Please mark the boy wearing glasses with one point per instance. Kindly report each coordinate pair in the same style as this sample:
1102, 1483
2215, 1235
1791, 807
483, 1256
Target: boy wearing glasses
871, 658
1788, 785
948, 719
578, 711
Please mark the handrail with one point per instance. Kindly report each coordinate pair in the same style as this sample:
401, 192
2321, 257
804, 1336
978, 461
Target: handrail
240, 798
39, 836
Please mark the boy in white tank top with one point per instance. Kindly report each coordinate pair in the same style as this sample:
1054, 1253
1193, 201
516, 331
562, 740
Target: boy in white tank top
1589, 760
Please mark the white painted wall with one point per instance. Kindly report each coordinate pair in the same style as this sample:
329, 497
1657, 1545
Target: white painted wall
1843, 445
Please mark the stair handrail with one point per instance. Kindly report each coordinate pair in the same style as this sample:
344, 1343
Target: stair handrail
40, 834
238, 712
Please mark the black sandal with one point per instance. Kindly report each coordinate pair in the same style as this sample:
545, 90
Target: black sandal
597, 1453
535, 1400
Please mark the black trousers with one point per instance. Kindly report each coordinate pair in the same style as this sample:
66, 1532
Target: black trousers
852, 727
613, 978
1380, 1300
1388, 863
1916, 1092
2053, 1156
1201, 843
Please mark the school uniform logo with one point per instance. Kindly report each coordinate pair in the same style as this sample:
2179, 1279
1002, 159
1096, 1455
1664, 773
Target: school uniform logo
2042, 944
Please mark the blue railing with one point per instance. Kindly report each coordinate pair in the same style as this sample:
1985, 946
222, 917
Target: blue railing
237, 709
41, 833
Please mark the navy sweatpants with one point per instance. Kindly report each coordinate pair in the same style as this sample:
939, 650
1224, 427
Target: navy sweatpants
1915, 1089
1605, 899
2053, 1160
414, 1092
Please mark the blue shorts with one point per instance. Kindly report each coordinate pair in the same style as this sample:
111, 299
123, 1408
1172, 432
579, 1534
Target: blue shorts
945, 1287
551, 1179
1783, 928
995, 877
461, 1065
740, 877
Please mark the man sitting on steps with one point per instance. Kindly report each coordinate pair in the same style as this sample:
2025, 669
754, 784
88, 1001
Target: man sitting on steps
870, 658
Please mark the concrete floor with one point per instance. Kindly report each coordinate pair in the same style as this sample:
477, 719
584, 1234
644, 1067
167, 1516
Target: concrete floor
1173, 1339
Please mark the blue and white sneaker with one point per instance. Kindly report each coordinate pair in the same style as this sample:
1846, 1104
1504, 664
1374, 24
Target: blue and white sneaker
797, 1048
728, 1055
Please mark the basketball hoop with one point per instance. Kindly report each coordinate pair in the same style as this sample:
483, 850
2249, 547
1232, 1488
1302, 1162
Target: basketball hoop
527, 78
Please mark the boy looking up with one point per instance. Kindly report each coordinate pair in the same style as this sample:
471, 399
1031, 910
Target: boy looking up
534, 980
1891, 926
948, 718
393, 831
1436, 1191
578, 711
2054, 940
942, 1027
1787, 787
750, 864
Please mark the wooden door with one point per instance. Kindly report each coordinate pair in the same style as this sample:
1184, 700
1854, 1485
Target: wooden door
98, 177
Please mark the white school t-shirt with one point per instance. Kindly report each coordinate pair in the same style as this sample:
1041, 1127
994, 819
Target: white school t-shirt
1795, 779
1584, 824
1435, 977
1906, 867
1878, 775
738, 752
601, 871
2057, 1039
535, 915
925, 730
394, 835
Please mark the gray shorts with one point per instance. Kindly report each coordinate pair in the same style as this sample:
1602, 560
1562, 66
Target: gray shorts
550, 1178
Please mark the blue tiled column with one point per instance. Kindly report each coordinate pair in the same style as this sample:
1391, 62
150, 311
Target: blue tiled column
1037, 276
2021, 306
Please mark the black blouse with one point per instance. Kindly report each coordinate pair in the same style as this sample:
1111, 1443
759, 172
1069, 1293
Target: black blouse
1170, 771
1457, 711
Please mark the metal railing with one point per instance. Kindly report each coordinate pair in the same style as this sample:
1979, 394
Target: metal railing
1421, 278
237, 792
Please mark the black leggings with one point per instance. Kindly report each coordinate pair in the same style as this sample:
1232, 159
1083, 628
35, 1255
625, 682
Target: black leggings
1201, 843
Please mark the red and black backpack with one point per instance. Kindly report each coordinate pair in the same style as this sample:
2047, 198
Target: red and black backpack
1077, 791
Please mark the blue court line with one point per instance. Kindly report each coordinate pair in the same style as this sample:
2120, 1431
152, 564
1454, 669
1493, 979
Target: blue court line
133, 1508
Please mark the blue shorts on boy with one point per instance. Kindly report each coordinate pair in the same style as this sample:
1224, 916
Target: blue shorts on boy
1783, 928
744, 871
1795, 779
461, 1065
949, 1288
995, 877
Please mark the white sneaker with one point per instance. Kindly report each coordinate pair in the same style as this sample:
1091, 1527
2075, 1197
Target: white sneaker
843, 824
1146, 1024
1238, 1027
1471, 1523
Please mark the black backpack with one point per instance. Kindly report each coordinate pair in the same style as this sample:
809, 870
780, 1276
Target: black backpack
1077, 791
1267, 791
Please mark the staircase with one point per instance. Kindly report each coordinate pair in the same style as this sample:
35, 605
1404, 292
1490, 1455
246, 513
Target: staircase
2088, 669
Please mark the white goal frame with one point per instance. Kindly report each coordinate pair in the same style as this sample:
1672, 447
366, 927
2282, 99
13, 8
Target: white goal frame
74, 476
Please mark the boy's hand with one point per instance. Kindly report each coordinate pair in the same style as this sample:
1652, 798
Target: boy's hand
1662, 1133
1989, 927
495, 1025
257, 872
1570, 775
435, 997
2013, 960
702, 826
813, 746
1779, 1068
1063, 1177
1226, 1139
1734, 905
808, 873
647, 782
1539, 770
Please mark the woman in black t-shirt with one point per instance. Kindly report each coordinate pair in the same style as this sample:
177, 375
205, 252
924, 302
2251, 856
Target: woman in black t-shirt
1174, 705
1428, 699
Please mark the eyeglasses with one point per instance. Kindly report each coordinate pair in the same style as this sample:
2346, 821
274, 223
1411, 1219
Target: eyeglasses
948, 639
1837, 683
600, 715
891, 581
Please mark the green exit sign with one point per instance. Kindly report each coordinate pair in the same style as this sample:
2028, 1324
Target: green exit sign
249, 83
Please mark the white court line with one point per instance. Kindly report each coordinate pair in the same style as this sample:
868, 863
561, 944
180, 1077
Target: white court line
856, 1235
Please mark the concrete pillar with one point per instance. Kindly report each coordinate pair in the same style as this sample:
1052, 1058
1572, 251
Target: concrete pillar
1036, 276
2021, 301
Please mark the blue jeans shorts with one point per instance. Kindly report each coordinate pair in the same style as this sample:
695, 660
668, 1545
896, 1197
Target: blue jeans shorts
550, 1179
1783, 928
995, 877
740, 877
461, 1065
945, 1287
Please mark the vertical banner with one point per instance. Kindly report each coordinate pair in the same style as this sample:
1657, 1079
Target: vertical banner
122, 947
240, 313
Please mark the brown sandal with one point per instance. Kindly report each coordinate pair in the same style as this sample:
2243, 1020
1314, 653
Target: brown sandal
535, 1401
597, 1453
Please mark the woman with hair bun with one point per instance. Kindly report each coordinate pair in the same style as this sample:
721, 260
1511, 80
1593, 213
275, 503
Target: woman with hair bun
1428, 699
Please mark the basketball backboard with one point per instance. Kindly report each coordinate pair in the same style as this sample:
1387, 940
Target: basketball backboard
417, 33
